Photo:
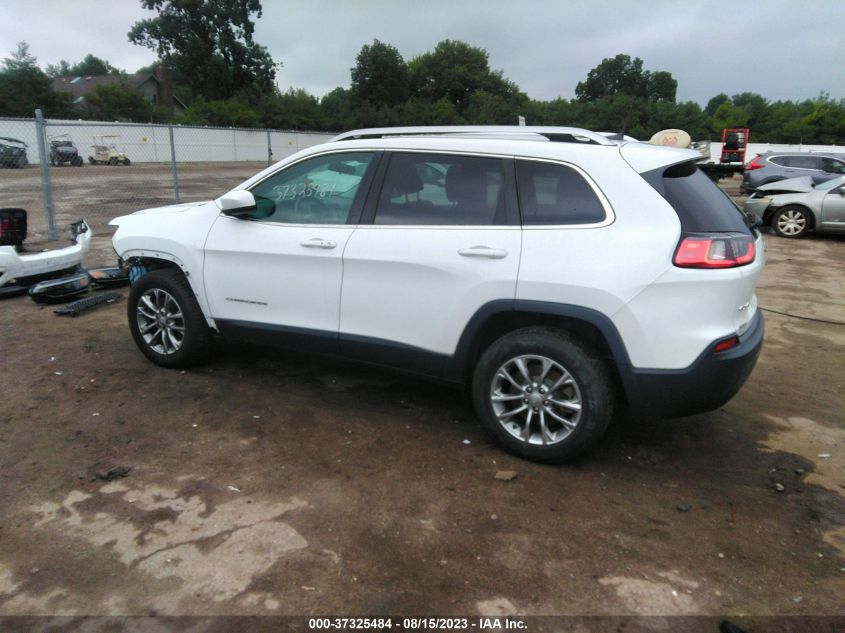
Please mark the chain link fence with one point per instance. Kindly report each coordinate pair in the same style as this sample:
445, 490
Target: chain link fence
60, 171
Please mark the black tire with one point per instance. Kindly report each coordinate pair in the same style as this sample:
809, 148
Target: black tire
126, 162
112, 161
792, 221
91, 160
590, 376
77, 162
196, 341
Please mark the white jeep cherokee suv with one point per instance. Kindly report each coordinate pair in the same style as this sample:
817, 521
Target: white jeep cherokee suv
556, 271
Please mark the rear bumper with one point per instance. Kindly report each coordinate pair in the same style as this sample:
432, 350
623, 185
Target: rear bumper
707, 384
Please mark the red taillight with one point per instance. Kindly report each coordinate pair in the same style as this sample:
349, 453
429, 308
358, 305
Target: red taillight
715, 251
723, 346
756, 163
5, 225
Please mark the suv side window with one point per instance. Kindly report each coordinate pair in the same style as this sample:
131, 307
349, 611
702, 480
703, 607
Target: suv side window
442, 189
320, 190
783, 161
804, 162
833, 166
555, 194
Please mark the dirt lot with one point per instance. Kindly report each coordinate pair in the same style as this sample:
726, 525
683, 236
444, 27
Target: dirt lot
270, 483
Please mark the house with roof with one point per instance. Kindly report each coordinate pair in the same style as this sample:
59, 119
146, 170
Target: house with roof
156, 87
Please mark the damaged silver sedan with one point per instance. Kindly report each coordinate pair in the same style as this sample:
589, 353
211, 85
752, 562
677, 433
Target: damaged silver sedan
796, 206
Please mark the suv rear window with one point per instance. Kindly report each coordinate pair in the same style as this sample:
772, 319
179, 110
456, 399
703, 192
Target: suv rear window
700, 204
555, 194
442, 189
804, 162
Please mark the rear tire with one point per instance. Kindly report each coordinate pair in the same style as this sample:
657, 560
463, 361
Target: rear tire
166, 321
543, 395
112, 161
791, 221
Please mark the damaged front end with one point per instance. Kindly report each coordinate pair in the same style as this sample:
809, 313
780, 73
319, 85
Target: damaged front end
19, 270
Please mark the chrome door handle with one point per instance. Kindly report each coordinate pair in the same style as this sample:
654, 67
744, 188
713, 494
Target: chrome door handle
318, 243
483, 251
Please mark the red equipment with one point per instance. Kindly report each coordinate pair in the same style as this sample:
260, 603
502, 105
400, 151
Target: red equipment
734, 142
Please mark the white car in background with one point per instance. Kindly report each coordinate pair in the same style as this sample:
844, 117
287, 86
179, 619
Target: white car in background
556, 272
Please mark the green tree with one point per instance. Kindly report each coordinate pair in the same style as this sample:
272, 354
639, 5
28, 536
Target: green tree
453, 72
209, 46
715, 102
90, 65
24, 87
380, 76
623, 75
337, 109
728, 115
117, 102
295, 109
231, 112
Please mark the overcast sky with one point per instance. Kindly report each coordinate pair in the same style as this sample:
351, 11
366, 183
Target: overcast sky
781, 49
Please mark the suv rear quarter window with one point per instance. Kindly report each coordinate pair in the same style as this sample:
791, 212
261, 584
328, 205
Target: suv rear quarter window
700, 204
555, 194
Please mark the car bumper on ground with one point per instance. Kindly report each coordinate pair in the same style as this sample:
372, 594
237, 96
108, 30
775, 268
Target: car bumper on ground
32, 266
707, 384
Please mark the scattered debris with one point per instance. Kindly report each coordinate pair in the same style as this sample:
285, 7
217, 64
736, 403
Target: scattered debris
797, 599
26, 268
726, 626
109, 277
61, 289
80, 305
799, 471
307, 588
824, 455
233, 489
721, 555
506, 475
9, 291
779, 487
467, 442
684, 507
115, 472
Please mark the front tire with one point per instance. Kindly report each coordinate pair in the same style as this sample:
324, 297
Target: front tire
166, 321
543, 395
792, 221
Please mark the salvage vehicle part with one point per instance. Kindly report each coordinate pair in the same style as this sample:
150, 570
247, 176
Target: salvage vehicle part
112, 277
86, 303
61, 289
29, 266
